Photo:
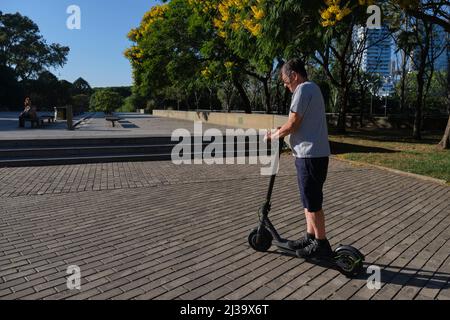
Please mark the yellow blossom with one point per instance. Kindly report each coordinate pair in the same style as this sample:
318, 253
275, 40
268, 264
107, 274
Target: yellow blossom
325, 14
206, 72
229, 64
258, 13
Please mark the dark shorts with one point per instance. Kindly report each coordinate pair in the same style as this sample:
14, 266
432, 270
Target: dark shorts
311, 175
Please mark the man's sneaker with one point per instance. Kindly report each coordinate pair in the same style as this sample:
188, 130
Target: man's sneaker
316, 250
299, 244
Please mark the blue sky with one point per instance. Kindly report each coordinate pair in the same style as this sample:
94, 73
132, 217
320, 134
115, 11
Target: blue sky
96, 51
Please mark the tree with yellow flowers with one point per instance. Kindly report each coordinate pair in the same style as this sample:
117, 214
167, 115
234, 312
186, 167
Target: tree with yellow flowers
184, 44
310, 30
238, 25
177, 49
165, 54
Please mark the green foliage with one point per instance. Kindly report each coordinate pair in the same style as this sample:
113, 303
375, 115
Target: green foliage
105, 100
10, 90
133, 102
127, 107
80, 103
25, 58
47, 92
81, 86
177, 56
195, 54
23, 48
164, 55
124, 92
436, 98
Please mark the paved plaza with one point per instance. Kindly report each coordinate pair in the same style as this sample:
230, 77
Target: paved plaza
131, 125
155, 230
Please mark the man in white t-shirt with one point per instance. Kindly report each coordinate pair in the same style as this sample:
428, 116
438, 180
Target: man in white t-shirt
307, 127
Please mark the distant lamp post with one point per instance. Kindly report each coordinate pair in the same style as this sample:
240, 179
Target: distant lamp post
371, 103
369, 85
385, 92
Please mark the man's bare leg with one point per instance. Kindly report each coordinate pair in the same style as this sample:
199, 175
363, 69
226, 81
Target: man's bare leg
309, 224
316, 224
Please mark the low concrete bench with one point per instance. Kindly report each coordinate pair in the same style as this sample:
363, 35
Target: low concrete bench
49, 118
38, 122
112, 119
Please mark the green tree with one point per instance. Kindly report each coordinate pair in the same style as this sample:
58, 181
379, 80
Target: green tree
435, 12
423, 61
11, 93
174, 46
430, 12
436, 96
322, 41
106, 101
44, 91
81, 86
23, 49
424, 15
238, 26
159, 56
80, 103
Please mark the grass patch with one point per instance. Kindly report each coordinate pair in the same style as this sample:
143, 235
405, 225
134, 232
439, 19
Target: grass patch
394, 149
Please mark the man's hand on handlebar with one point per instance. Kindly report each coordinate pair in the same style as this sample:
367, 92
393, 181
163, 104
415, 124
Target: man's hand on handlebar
271, 134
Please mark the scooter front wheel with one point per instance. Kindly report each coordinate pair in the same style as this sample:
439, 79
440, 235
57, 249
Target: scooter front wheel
261, 243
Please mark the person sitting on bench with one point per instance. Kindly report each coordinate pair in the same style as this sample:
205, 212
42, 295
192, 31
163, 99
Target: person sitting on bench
29, 112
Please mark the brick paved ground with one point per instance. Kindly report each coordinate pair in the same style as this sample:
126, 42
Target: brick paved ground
153, 230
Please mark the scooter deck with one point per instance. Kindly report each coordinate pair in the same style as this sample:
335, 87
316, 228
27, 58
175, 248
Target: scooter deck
283, 246
324, 261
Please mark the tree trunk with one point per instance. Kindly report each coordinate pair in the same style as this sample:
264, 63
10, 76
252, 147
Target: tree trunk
341, 125
267, 96
418, 115
403, 84
210, 98
445, 142
229, 100
421, 82
229, 93
285, 101
197, 99
278, 99
362, 93
243, 94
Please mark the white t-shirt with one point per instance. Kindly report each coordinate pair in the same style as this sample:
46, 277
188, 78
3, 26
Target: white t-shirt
311, 138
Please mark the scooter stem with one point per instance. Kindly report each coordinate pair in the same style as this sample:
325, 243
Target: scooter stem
272, 178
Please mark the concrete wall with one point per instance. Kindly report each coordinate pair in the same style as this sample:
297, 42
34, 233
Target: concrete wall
266, 121
234, 120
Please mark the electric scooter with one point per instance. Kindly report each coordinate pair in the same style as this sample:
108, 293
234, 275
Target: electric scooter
347, 259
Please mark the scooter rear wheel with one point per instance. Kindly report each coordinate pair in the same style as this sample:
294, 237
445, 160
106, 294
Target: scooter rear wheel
263, 243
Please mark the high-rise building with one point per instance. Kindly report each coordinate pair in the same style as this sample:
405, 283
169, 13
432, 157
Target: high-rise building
438, 52
377, 56
439, 49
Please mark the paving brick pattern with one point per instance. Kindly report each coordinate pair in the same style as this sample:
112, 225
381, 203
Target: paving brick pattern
153, 230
